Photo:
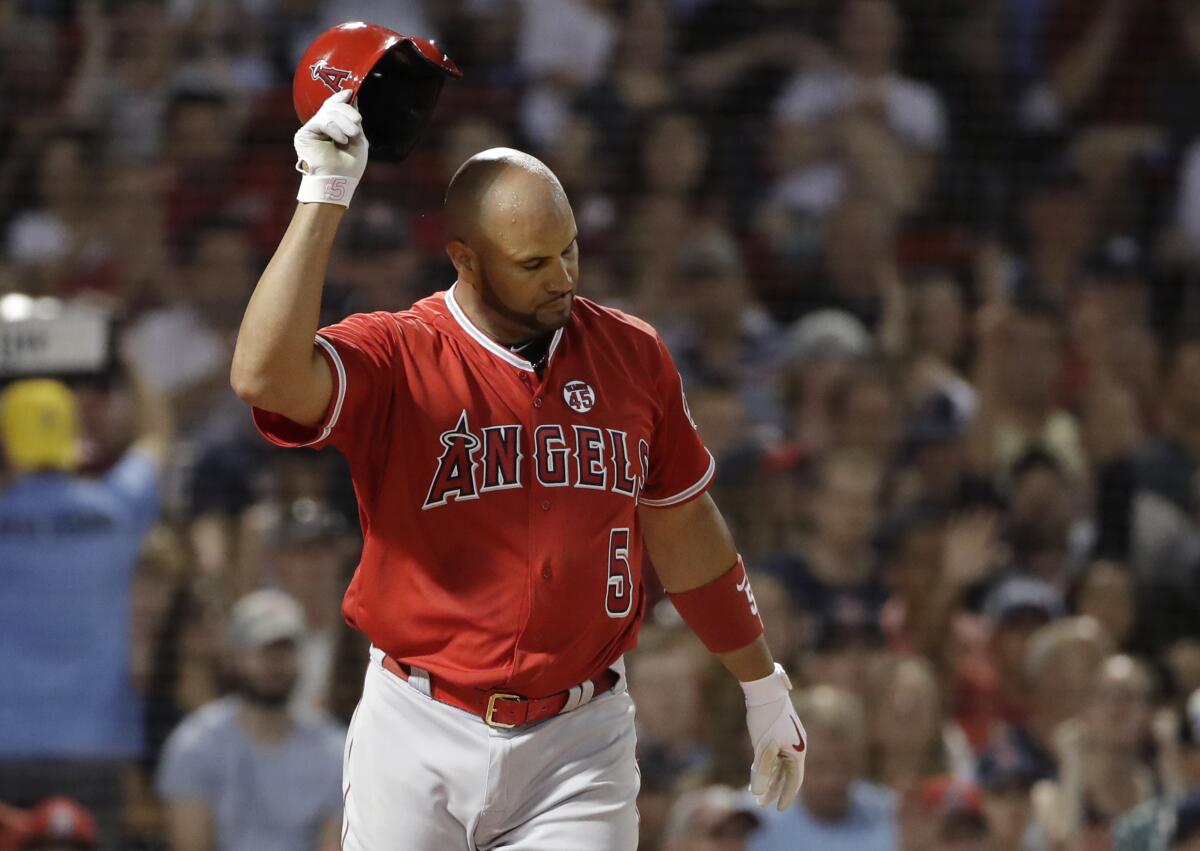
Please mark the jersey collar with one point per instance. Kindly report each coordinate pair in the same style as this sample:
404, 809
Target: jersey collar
505, 354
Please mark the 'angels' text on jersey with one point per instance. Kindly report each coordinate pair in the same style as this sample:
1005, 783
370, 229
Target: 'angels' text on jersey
578, 456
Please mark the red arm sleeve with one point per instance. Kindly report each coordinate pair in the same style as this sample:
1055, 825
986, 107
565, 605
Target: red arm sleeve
681, 469
360, 352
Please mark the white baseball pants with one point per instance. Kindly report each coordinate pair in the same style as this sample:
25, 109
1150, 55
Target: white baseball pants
419, 775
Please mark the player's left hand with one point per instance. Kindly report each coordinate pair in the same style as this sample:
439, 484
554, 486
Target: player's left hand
779, 740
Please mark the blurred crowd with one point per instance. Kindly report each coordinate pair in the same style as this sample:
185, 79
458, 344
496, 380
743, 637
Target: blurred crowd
930, 270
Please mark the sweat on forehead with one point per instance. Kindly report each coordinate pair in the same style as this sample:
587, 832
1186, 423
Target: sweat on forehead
499, 182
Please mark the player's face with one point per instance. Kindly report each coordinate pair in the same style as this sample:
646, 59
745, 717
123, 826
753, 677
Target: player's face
529, 265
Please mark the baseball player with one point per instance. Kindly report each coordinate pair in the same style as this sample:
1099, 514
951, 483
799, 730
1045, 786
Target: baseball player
513, 447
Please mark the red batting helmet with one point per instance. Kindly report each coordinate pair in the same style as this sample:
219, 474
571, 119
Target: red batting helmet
396, 80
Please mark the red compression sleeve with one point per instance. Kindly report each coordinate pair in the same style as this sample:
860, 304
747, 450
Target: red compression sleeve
721, 612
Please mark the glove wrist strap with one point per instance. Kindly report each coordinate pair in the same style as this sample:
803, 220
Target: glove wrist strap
769, 689
326, 189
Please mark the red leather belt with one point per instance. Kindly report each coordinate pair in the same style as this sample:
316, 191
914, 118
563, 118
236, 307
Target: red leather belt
499, 709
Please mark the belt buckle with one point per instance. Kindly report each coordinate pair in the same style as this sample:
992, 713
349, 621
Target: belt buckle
491, 708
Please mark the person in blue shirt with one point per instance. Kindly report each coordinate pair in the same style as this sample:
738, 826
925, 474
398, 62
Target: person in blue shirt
69, 719
837, 809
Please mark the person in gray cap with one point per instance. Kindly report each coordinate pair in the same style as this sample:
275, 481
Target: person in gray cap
246, 772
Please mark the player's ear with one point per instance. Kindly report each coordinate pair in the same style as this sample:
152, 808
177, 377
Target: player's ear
464, 259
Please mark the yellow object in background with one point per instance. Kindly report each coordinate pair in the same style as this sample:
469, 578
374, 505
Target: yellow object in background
39, 424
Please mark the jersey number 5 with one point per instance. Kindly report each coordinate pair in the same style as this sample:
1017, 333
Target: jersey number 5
618, 601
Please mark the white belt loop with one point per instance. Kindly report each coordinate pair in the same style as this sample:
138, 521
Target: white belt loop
418, 678
577, 696
574, 699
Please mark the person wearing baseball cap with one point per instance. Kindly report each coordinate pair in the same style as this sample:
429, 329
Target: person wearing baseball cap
69, 713
249, 770
40, 426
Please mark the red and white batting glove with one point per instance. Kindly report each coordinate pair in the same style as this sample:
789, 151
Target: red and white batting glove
778, 738
331, 152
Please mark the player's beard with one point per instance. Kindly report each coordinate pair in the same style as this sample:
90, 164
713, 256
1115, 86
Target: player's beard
528, 321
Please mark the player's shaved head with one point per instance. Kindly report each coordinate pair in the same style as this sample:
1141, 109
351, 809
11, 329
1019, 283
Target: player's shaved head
495, 188
512, 239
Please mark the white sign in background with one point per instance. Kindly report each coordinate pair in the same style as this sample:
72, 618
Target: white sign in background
69, 342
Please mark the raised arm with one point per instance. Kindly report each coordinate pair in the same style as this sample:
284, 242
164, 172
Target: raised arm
275, 366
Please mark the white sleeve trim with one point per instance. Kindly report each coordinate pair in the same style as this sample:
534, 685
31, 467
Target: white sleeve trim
685, 495
340, 369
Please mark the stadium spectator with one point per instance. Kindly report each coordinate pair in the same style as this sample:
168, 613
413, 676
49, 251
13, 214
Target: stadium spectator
908, 740
859, 128
723, 338
1019, 368
1043, 527
930, 566
837, 809
836, 568
819, 353
1185, 833
714, 818
936, 338
1107, 591
1177, 737
69, 546
308, 556
246, 771
992, 687
187, 342
1164, 512
1062, 661
125, 75
1007, 780
57, 243
563, 47
934, 472
945, 813
1101, 773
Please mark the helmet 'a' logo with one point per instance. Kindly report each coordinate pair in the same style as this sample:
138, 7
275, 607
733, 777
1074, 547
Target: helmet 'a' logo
579, 396
327, 74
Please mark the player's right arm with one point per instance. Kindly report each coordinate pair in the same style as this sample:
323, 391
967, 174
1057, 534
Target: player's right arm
275, 366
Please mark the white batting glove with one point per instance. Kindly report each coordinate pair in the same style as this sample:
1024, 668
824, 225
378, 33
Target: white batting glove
778, 737
331, 152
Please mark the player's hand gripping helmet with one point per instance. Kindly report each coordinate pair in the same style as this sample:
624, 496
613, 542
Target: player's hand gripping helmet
396, 80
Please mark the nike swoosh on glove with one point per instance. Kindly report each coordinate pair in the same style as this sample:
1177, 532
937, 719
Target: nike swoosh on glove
331, 152
780, 743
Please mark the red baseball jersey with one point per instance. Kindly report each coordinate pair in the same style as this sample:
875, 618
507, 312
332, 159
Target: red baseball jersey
501, 543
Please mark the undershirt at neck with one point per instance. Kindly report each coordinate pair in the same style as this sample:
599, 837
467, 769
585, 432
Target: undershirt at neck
535, 351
